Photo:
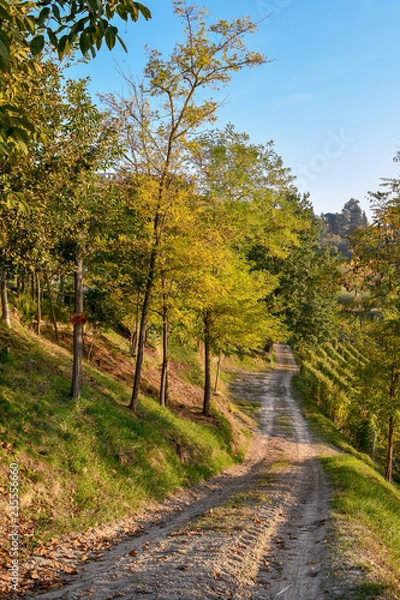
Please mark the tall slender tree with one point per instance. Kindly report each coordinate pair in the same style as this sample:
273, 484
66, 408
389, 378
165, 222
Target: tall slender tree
163, 113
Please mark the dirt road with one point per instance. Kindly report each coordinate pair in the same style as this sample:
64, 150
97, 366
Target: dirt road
255, 532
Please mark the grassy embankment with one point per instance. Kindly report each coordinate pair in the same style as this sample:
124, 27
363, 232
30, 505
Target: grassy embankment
88, 462
365, 507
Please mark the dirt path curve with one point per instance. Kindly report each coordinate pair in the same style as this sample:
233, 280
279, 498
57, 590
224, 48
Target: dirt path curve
255, 532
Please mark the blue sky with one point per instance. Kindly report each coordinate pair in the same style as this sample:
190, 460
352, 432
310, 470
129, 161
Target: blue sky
330, 98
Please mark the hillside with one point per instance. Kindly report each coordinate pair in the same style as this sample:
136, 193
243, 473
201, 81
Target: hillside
72, 454
330, 375
93, 476
364, 509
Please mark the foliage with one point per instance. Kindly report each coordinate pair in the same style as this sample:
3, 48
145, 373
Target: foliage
365, 510
337, 228
156, 124
25, 28
307, 282
375, 269
359, 392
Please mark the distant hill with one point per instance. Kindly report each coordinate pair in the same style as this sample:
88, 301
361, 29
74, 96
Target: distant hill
336, 227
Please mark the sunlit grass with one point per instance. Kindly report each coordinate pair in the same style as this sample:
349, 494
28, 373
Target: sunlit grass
365, 510
92, 461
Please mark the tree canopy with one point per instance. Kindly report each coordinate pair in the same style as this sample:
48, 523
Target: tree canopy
26, 28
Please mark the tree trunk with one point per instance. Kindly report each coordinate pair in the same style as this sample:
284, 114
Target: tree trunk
33, 286
53, 314
39, 304
164, 369
207, 368
373, 448
142, 329
61, 294
218, 372
92, 343
134, 334
133, 343
78, 334
390, 449
5, 309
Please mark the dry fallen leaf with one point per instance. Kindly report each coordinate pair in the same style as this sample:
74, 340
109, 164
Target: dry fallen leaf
217, 574
70, 570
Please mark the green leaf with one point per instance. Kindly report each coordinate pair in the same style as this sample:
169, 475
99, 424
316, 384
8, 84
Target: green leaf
43, 16
122, 12
132, 9
122, 43
17, 200
52, 37
63, 46
4, 50
93, 6
29, 24
3, 13
56, 12
4, 149
144, 10
103, 24
37, 44
84, 43
110, 37
109, 11
80, 25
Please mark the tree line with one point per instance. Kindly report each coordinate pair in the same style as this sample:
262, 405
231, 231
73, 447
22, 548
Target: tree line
363, 395
158, 217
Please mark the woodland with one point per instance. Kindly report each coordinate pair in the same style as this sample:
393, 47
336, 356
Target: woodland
139, 215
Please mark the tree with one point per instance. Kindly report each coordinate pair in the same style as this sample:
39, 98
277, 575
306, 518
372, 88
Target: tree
25, 28
250, 209
158, 120
179, 256
308, 288
337, 228
116, 267
5, 310
379, 381
248, 187
228, 306
376, 268
58, 178
377, 248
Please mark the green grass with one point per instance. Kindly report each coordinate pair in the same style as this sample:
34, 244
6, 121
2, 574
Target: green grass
365, 510
187, 358
362, 492
91, 461
245, 362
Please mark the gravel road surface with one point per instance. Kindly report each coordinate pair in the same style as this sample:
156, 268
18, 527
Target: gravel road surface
258, 531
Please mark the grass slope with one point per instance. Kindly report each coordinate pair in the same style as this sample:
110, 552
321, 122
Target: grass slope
365, 513
91, 461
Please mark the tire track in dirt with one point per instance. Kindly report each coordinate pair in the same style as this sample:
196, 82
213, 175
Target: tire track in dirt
255, 532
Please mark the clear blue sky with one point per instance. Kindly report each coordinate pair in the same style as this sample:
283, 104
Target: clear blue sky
330, 99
